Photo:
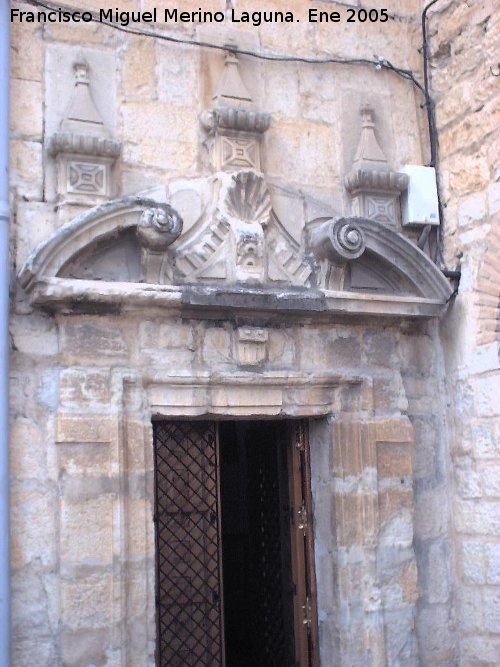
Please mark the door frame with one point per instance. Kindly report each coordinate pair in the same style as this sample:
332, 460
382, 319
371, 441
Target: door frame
301, 537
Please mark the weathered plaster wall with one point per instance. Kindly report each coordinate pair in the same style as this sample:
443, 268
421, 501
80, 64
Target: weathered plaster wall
66, 525
464, 48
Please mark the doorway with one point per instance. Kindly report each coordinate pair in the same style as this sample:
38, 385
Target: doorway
235, 579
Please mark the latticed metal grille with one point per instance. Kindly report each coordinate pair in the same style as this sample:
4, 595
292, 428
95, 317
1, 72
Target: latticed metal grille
187, 541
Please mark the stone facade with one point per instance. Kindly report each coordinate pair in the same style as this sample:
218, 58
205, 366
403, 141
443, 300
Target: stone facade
465, 88
229, 244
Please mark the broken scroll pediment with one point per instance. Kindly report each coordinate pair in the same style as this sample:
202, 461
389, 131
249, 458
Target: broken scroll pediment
234, 240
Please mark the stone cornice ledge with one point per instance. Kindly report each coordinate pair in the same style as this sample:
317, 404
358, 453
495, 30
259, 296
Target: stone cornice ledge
78, 296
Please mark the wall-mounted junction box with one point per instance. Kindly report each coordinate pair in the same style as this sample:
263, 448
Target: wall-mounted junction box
419, 204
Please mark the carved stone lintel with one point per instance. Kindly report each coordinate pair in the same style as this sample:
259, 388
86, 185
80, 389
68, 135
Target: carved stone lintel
338, 241
159, 227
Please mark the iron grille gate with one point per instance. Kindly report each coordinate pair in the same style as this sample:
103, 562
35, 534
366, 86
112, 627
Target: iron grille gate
188, 602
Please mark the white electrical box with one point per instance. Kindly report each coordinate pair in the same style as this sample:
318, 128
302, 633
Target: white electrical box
419, 204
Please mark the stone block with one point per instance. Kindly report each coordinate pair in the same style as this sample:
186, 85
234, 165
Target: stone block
492, 554
33, 536
30, 617
394, 460
380, 349
26, 169
91, 460
178, 72
26, 98
491, 602
98, 343
26, 450
87, 532
394, 430
392, 501
436, 637
84, 388
346, 351
35, 336
477, 517
40, 651
281, 349
87, 602
480, 649
216, 349
78, 429
35, 222
398, 530
85, 647
473, 561
431, 514
491, 480
138, 70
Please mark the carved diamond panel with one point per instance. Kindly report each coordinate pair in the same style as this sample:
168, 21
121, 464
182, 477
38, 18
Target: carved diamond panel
86, 178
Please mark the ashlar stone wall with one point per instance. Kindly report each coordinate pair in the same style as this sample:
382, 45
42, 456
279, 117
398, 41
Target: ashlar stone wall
464, 76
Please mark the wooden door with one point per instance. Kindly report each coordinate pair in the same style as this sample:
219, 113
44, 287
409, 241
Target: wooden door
302, 541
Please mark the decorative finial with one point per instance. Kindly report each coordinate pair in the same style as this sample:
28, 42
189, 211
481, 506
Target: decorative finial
369, 153
231, 90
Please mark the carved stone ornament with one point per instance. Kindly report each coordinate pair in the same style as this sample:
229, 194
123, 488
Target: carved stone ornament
338, 242
159, 227
233, 125
375, 189
83, 147
251, 345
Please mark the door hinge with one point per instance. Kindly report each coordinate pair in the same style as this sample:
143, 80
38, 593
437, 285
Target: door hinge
302, 522
300, 439
307, 615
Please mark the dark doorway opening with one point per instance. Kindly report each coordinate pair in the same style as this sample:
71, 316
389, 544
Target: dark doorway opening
235, 581
258, 588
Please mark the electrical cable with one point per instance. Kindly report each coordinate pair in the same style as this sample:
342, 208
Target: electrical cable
380, 63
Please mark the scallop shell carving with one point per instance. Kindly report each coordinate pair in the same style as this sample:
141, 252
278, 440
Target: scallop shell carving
248, 198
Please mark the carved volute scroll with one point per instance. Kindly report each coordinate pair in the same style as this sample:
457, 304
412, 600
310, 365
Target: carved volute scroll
338, 242
233, 124
83, 147
375, 188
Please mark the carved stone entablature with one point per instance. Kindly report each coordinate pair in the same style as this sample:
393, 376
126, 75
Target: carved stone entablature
375, 189
235, 258
83, 148
234, 126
